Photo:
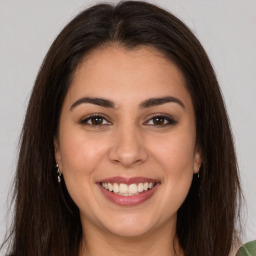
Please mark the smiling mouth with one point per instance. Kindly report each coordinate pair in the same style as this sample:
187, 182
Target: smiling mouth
131, 191
127, 190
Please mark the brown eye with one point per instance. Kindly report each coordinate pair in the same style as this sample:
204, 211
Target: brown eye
161, 121
158, 120
95, 120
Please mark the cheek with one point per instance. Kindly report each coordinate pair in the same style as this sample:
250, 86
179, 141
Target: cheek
81, 151
81, 155
175, 155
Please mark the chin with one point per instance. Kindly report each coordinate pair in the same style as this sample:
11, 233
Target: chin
129, 227
129, 232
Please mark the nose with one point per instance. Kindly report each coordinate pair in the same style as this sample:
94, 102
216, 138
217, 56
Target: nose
128, 148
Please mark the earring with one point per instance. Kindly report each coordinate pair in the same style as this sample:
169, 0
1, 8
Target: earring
59, 173
198, 171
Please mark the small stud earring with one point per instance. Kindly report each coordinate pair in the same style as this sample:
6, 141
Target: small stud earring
59, 173
198, 171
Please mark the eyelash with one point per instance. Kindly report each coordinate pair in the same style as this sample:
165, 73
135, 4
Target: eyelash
170, 120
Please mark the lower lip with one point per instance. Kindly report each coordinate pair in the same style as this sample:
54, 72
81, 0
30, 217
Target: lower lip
129, 200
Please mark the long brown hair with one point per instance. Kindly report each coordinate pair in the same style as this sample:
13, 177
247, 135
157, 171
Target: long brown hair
46, 220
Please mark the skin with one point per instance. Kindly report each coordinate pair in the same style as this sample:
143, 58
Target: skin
129, 143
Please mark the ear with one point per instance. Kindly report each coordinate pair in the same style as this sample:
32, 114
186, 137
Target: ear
197, 159
57, 152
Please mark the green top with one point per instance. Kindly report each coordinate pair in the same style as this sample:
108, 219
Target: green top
248, 249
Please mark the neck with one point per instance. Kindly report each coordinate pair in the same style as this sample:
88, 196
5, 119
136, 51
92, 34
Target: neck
158, 242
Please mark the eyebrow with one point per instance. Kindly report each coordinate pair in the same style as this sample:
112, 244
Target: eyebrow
145, 104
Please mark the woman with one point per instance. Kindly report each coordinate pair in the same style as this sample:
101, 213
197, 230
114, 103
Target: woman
126, 147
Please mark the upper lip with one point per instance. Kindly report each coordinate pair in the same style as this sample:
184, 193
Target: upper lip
128, 181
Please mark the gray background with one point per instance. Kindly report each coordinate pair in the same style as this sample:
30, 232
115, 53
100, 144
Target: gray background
226, 28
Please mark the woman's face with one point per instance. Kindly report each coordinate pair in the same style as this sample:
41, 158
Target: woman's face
128, 125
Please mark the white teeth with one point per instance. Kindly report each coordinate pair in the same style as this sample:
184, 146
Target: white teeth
123, 188
133, 189
140, 187
115, 188
128, 190
110, 187
145, 186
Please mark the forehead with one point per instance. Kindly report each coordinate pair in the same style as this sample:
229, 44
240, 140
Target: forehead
124, 74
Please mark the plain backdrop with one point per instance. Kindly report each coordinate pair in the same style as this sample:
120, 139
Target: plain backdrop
226, 28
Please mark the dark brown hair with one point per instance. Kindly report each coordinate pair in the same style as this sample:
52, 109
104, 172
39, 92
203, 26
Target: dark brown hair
47, 221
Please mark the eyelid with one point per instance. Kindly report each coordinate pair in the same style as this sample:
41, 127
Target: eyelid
88, 117
168, 117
